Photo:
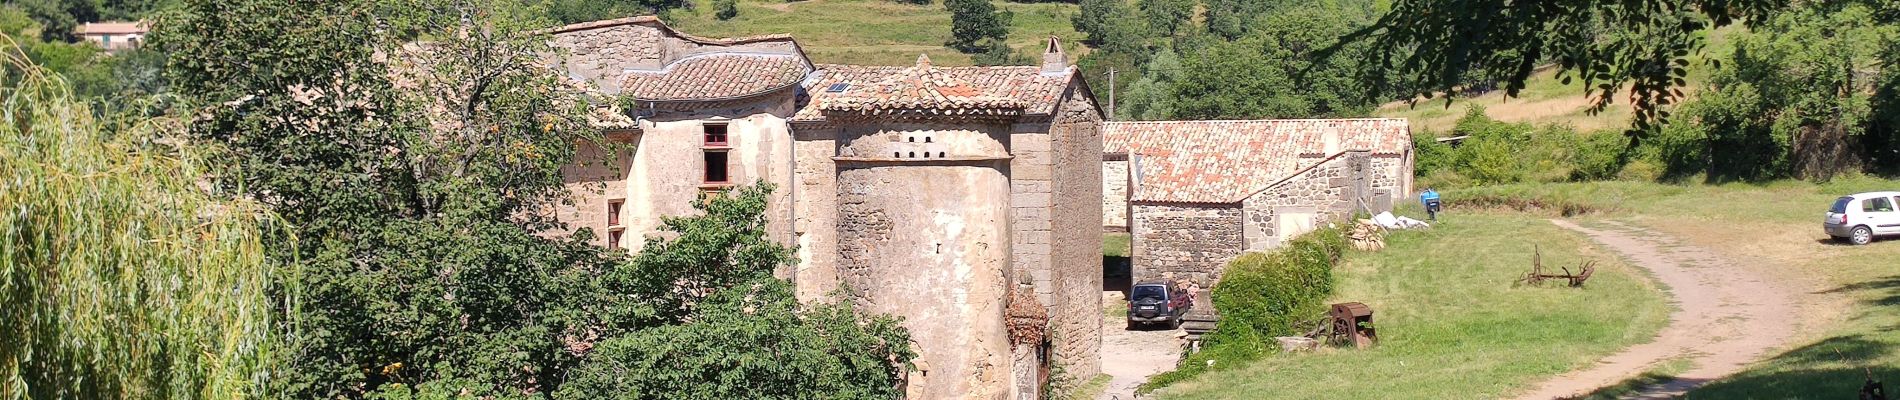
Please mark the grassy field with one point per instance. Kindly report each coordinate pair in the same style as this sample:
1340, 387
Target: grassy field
1115, 244
1453, 324
878, 32
1854, 292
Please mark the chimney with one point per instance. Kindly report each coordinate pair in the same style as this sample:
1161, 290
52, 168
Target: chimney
1053, 61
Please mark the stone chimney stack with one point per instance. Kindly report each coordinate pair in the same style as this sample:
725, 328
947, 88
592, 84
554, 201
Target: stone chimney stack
1053, 60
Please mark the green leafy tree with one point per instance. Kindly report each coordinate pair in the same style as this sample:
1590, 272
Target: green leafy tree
1092, 16
974, 23
1797, 96
1152, 97
786, 350
1230, 18
1435, 45
122, 278
413, 175
1168, 16
1237, 81
415, 148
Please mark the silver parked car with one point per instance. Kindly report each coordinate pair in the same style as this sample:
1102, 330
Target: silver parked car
1858, 218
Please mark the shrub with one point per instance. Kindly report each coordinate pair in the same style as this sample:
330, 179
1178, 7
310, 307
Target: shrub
752, 342
1263, 295
1268, 293
1599, 156
726, 9
1495, 152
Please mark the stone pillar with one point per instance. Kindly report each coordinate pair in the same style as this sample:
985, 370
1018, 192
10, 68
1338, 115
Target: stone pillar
1028, 324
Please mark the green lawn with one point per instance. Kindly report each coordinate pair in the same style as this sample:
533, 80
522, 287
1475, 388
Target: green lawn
878, 32
1115, 244
1854, 291
1452, 323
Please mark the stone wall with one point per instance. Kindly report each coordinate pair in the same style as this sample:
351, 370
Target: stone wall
595, 174
602, 52
602, 55
815, 193
1328, 192
1300, 203
665, 173
1115, 193
935, 255
1076, 237
1185, 241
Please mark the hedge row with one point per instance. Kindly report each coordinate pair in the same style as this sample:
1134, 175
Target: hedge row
1263, 295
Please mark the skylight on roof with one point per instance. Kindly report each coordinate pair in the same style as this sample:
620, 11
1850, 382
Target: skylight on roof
838, 87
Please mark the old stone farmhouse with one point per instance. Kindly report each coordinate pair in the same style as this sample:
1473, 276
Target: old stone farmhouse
963, 199
1194, 195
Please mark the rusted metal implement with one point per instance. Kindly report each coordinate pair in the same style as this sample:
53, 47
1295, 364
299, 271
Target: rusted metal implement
1537, 275
1352, 323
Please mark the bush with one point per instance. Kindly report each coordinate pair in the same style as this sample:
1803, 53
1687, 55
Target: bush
1495, 153
1600, 156
726, 9
1269, 293
752, 342
1263, 295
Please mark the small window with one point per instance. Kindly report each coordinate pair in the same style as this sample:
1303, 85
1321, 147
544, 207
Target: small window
838, 87
613, 212
715, 135
926, 139
613, 239
1877, 204
716, 167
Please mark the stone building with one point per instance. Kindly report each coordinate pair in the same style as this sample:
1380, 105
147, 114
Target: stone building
943, 195
1195, 194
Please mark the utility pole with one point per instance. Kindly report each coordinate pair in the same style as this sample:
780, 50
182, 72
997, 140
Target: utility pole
1111, 94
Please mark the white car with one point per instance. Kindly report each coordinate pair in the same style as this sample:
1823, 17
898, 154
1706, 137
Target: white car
1860, 217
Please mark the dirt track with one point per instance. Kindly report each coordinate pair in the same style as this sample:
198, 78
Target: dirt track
1727, 316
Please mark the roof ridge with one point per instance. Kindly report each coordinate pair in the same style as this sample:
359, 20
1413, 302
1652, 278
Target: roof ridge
669, 66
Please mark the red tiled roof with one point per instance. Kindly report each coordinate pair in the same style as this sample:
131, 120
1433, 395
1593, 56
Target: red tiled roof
1025, 86
715, 76
920, 88
1226, 161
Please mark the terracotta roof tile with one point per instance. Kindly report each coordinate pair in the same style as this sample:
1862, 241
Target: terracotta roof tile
715, 76
1226, 161
1036, 92
920, 88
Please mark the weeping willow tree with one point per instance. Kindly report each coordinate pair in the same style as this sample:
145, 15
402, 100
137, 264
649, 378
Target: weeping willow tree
120, 278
